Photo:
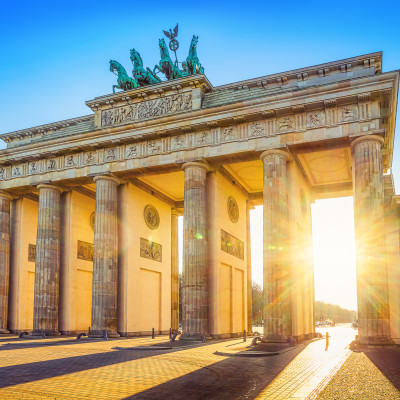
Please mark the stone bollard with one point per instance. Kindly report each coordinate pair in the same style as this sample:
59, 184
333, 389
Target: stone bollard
244, 336
105, 335
153, 334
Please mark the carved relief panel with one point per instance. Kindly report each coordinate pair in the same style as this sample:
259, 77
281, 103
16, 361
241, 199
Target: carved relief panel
348, 113
31, 252
85, 251
232, 245
315, 119
146, 109
150, 250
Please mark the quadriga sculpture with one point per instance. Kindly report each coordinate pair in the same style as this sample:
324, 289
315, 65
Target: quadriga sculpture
193, 62
124, 81
166, 65
142, 75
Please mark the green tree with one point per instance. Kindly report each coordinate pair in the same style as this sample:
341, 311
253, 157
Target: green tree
258, 303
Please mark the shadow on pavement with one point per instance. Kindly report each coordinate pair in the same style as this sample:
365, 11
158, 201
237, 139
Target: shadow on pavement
23, 373
232, 378
387, 360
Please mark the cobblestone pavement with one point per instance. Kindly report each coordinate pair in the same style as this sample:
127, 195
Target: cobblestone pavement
64, 368
359, 379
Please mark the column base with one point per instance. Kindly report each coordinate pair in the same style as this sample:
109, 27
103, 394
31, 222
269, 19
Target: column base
273, 338
194, 337
375, 341
48, 332
3, 331
100, 334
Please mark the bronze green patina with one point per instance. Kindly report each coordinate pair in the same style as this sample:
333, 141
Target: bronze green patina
124, 81
145, 76
166, 65
142, 75
192, 60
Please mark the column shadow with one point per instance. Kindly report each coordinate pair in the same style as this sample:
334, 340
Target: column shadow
234, 378
387, 360
23, 373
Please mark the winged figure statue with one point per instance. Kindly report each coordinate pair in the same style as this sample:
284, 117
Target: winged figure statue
172, 34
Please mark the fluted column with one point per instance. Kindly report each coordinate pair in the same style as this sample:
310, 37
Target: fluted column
372, 281
249, 278
5, 200
105, 258
195, 272
47, 265
174, 271
276, 249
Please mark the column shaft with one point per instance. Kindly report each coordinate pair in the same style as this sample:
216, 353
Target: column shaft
5, 200
174, 272
47, 266
195, 272
372, 283
105, 259
276, 254
249, 278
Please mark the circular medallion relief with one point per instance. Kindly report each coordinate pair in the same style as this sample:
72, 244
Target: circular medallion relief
233, 209
151, 217
91, 220
303, 202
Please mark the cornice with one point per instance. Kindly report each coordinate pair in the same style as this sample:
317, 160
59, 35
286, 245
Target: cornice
371, 60
43, 130
202, 119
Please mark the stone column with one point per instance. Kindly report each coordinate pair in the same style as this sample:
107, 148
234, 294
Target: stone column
276, 253
174, 271
249, 279
105, 258
5, 200
47, 266
372, 281
195, 270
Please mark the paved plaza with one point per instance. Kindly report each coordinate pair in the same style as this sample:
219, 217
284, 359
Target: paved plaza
65, 368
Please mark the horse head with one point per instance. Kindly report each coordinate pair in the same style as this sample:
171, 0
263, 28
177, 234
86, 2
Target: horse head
195, 39
114, 65
135, 57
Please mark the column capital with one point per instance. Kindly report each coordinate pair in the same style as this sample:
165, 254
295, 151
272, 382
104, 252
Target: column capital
106, 178
366, 138
176, 212
7, 195
47, 186
198, 164
280, 152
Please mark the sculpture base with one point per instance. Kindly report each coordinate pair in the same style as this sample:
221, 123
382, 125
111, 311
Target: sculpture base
48, 332
100, 334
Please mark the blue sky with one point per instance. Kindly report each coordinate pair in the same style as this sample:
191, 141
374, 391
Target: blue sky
55, 54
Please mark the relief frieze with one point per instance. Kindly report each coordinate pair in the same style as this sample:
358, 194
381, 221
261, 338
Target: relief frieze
185, 141
232, 245
146, 109
150, 250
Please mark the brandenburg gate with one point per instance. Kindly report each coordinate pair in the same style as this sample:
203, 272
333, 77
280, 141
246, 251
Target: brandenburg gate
89, 206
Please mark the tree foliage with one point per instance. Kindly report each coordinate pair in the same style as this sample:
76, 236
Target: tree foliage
333, 312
